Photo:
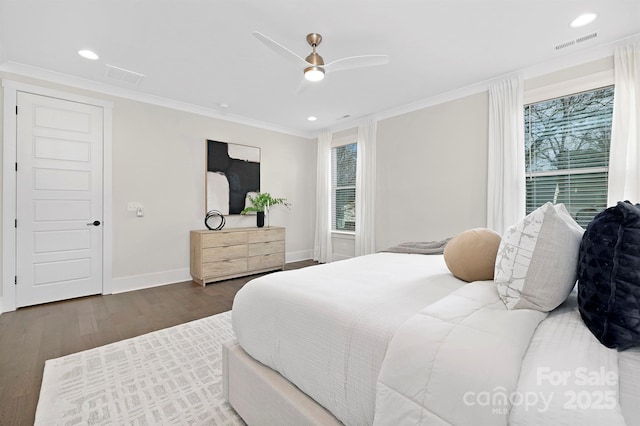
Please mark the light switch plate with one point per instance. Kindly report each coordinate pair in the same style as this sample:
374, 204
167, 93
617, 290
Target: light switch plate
133, 206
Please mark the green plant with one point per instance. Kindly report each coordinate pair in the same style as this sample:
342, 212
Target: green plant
261, 201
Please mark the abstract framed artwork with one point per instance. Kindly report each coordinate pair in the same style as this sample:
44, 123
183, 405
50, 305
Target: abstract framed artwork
233, 173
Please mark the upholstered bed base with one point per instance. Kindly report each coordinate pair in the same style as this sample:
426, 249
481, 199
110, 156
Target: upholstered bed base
261, 396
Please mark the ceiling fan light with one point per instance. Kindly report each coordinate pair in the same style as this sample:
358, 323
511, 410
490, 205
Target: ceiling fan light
314, 73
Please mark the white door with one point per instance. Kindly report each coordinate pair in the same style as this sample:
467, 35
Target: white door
59, 199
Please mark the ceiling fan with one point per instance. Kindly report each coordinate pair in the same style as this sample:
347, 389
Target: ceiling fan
314, 66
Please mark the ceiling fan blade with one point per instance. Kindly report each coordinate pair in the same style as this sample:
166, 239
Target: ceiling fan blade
352, 62
303, 86
280, 49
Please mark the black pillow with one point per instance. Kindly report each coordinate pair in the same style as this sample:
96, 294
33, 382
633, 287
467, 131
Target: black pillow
609, 276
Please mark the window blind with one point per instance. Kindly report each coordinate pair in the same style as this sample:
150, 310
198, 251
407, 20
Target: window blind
343, 187
567, 152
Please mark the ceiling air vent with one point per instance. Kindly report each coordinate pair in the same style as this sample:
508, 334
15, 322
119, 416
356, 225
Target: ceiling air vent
120, 74
587, 37
576, 41
565, 44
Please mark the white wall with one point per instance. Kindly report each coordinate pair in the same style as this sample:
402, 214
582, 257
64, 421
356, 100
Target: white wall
432, 167
431, 177
567, 74
432, 172
159, 160
343, 246
432, 164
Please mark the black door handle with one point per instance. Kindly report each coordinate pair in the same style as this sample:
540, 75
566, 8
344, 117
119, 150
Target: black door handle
94, 223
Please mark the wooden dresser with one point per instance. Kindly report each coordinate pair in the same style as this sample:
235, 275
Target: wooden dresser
235, 252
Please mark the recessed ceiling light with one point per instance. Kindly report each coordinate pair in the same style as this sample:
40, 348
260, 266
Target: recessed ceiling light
312, 118
88, 54
582, 20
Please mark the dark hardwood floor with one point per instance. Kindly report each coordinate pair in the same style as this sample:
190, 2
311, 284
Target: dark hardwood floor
30, 336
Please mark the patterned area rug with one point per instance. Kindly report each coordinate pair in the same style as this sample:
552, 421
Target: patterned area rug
170, 376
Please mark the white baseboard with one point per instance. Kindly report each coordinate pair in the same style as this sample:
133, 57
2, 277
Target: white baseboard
297, 256
156, 279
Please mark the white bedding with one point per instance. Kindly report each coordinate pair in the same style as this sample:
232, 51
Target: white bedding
440, 351
326, 328
444, 360
569, 376
629, 367
468, 361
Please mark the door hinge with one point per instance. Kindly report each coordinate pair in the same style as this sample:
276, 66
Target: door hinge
16, 166
16, 109
15, 224
15, 280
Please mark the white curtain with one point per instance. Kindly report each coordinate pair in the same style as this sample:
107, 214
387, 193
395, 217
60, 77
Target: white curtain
624, 162
322, 250
365, 242
506, 189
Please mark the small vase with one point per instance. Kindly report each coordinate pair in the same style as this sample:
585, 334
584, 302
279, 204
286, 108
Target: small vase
260, 218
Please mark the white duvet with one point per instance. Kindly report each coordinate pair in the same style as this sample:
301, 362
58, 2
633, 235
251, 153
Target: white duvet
395, 339
326, 328
444, 360
466, 360
568, 376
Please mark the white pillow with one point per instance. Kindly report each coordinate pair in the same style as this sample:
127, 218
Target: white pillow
536, 265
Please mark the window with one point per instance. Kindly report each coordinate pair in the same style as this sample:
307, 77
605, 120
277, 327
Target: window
567, 152
343, 187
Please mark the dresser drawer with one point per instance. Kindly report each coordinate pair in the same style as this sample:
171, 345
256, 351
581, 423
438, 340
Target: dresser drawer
235, 252
224, 267
266, 261
259, 249
224, 239
216, 254
266, 235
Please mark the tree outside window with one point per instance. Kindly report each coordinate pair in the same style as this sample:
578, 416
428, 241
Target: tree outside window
567, 152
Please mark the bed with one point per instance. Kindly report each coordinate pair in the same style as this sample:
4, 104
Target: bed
393, 338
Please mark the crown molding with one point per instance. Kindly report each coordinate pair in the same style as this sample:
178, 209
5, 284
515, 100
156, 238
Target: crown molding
547, 67
121, 92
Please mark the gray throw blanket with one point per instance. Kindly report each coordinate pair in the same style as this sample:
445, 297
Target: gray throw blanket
429, 247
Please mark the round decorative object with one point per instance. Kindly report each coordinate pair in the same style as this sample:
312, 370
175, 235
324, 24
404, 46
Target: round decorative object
209, 218
471, 255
